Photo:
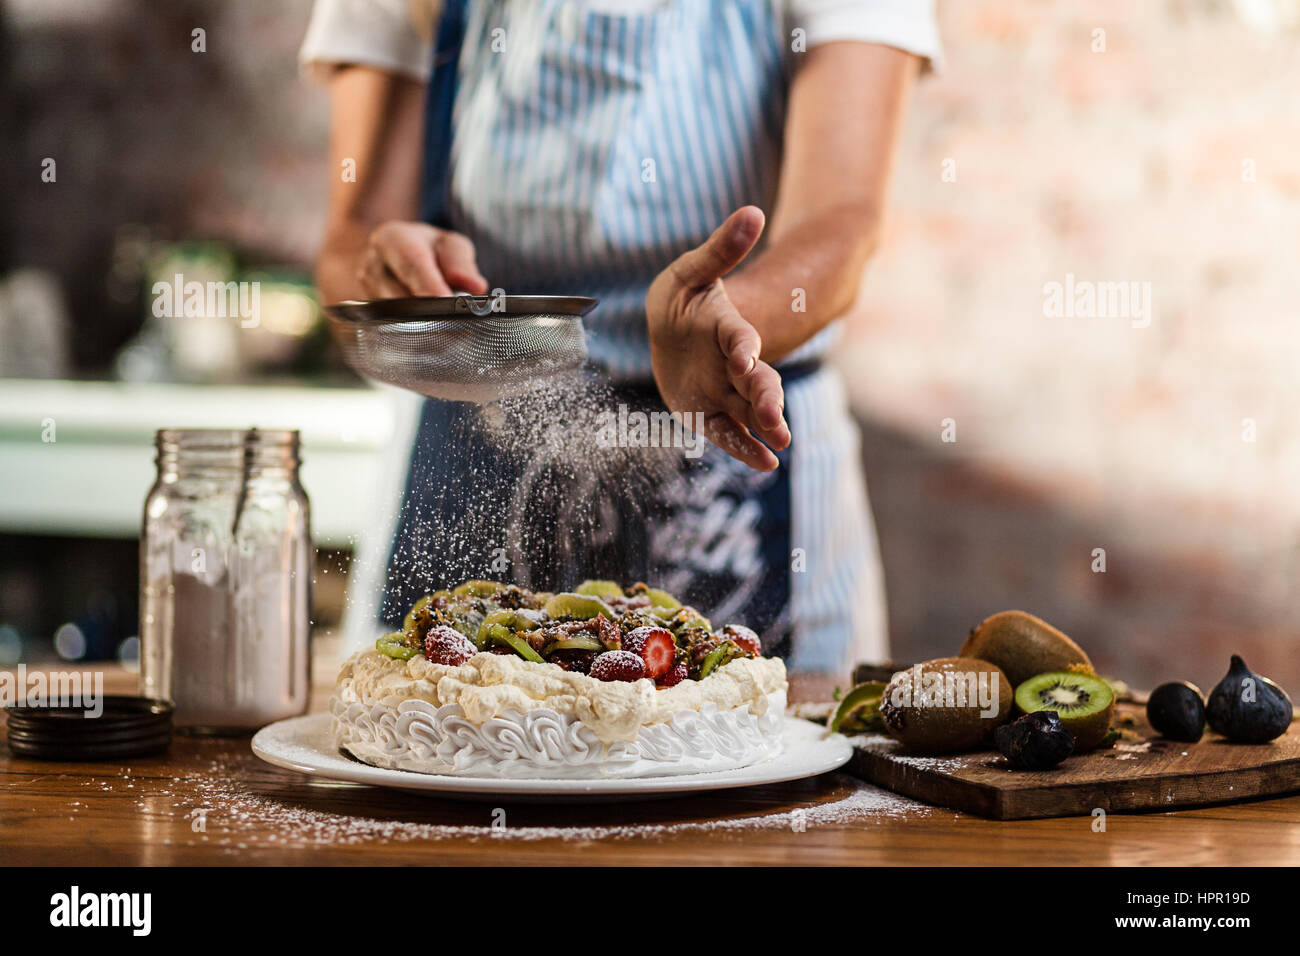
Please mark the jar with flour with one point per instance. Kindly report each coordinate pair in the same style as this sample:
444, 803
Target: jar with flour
225, 579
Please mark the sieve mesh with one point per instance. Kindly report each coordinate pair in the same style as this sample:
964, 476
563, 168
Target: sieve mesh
462, 357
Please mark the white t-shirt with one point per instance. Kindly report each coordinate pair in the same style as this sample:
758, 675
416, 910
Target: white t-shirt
396, 35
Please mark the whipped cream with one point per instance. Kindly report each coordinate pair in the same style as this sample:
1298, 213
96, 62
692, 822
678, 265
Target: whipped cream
491, 686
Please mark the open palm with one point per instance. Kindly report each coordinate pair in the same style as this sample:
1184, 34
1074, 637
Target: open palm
706, 356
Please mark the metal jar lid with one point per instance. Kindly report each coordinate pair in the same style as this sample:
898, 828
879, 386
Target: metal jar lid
126, 727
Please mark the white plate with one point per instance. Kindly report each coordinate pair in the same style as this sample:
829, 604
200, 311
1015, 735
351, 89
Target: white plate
305, 744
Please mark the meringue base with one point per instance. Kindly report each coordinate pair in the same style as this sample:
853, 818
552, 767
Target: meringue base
419, 736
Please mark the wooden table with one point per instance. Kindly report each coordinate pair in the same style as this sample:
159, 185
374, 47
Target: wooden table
214, 802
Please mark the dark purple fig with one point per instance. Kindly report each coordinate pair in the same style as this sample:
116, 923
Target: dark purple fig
1247, 708
1037, 741
1177, 711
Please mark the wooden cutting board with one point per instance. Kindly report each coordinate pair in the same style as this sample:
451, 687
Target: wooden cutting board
1150, 773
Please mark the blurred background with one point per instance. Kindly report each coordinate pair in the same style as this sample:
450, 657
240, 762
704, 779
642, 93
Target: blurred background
1009, 450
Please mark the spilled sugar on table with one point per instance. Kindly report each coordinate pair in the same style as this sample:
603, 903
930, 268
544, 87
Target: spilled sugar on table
212, 802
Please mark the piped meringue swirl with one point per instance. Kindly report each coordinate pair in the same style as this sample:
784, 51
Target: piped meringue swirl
467, 721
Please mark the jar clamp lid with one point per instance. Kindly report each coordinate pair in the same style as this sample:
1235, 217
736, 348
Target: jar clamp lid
123, 727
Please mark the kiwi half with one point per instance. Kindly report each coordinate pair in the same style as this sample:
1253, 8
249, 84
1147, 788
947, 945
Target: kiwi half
1084, 703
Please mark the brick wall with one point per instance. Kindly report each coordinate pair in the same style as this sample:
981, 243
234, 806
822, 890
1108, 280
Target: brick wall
1171, 158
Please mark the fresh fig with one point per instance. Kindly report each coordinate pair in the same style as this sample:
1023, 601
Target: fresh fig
1247, 708
1037, 741
1177, 711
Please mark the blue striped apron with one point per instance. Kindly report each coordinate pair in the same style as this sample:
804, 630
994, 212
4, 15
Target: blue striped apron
582, 151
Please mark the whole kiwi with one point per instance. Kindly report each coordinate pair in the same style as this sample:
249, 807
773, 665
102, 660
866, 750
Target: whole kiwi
1022, 645
935, 707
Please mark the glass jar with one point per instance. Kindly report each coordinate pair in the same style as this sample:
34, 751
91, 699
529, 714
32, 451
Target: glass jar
225, 580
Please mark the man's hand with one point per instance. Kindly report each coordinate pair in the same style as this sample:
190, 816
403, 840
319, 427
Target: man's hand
372, 249
414, 258
706, 356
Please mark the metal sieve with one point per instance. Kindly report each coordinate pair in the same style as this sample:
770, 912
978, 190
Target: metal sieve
469, 348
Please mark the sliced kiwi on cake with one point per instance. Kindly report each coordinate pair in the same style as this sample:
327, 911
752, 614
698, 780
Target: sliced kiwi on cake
1084, 703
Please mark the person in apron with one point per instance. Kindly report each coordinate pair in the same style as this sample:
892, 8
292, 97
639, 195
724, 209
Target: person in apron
594, 148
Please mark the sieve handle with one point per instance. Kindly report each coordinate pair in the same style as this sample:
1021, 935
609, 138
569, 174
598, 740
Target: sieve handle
479, 305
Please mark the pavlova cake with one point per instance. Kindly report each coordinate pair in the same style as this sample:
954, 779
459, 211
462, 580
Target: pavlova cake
600, 682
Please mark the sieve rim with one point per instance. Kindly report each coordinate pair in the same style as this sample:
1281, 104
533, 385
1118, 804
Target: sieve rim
469, 308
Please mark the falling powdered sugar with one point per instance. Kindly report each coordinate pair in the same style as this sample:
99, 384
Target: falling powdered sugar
539, 495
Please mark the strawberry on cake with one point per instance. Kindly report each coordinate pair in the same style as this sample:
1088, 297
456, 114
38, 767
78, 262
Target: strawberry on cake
600, 682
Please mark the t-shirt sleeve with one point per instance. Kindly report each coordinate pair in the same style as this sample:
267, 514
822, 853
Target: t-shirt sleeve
909, 25
394, 35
